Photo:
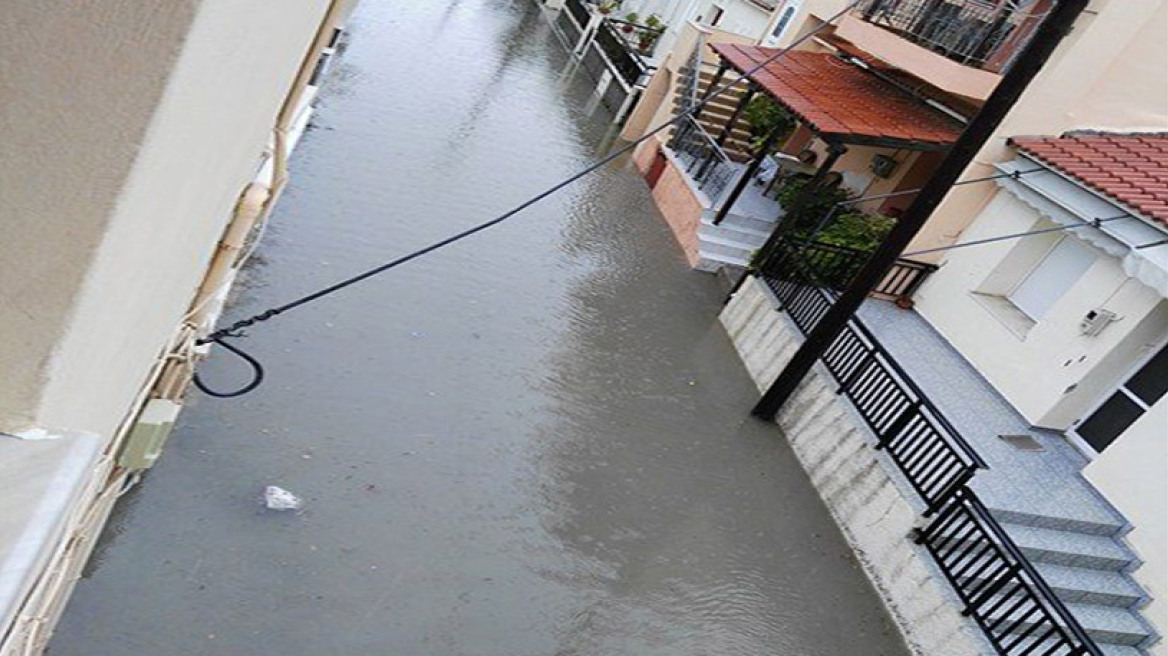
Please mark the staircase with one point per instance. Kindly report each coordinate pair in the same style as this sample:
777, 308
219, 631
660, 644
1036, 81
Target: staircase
717, 112
1070, 534
1088, 567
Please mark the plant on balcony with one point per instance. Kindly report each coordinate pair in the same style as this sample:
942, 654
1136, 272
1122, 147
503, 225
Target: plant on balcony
858, 230
766, 116
608, 6
630, 24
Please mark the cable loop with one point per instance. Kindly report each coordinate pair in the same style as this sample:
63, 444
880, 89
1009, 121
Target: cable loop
256, 367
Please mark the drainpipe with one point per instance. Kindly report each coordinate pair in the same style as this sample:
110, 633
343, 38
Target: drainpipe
253, 207
1030, 62
257, 201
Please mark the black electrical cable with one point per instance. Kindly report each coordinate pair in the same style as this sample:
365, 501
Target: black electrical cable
257, 369
233, 331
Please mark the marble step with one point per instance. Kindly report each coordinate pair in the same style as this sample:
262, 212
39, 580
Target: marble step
1104, 624
1077, 585
1055, 547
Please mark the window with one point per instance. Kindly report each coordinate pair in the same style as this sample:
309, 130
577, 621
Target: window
715, 14
1052, 277
1146, 386
785, 17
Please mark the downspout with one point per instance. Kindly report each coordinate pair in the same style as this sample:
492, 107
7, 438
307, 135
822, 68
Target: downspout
252, 209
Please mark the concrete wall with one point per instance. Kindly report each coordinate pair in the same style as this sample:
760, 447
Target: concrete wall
1048, 370
1133, 473
869, 506
675, 198
1109, 74
136, 126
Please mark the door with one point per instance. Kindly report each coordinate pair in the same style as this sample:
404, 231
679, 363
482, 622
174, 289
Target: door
1131, 400
1056, 273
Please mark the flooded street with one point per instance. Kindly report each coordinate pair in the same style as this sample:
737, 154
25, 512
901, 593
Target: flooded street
533, 443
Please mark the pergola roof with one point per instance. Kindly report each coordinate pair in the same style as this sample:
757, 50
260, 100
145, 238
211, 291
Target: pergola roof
843, 102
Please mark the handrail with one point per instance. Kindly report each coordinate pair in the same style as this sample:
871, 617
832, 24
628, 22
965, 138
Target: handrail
1000, 561
1000, 587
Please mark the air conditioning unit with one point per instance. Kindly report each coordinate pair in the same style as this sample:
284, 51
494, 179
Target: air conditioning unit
884, 166
146, 438
1096, 320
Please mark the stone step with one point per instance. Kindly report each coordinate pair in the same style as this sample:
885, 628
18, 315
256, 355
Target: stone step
725, 245
1075, 585
742, 223
1104, 624
730, 236
1090, 527
1044, 545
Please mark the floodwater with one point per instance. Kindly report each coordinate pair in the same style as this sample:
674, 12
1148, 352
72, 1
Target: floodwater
533, 443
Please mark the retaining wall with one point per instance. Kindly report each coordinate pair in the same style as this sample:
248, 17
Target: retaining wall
855, 481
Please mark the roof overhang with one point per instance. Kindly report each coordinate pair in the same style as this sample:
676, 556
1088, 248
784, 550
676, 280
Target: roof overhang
1067, 202
842, 102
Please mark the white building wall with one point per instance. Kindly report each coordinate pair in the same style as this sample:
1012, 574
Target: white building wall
120, 176
1133, 473
1049, 371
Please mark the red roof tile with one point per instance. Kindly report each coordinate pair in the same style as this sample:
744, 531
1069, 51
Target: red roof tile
1129, 168
841, 100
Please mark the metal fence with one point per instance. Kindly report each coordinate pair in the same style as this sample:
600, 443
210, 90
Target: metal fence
1016, 609
1001, 590
931, 454
835, 266
627, 64
974, 32
704, 160
641, 39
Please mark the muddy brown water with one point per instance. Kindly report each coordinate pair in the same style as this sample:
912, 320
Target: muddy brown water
534, 443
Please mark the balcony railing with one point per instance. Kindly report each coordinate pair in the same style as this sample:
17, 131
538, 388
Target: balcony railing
579, 12
704, 160
933, 456
628, 64
641, 39
1000, 589
984, 34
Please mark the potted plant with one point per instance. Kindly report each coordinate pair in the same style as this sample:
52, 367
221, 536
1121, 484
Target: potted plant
630, 22
607, 7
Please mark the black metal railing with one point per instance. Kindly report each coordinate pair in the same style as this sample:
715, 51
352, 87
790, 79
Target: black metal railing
835, 266
642, 39
1000, 589
579, 12
980, 33
1017, 610
627, 64
934, 458
704, 161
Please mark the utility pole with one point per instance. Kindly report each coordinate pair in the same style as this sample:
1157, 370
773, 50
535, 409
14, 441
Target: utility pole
1027, 65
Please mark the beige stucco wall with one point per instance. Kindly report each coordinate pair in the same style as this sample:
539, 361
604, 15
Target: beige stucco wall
1051, 372
137, 125
1108, 74
1133, 473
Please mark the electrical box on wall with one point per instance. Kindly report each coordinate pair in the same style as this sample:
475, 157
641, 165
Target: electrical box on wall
146, 438
1096, 320
884, 166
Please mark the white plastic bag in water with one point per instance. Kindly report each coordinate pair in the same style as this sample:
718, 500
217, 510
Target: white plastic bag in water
277, 498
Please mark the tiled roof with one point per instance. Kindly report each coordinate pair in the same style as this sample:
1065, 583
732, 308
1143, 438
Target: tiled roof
1129, 168
841, 100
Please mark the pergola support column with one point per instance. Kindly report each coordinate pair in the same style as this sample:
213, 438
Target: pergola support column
746, 176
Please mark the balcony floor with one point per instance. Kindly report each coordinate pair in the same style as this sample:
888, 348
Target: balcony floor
1048, 485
